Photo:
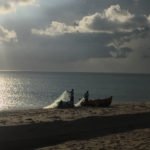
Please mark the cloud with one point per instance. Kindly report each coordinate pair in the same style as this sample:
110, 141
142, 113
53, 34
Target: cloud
6, 8
58, 28
23, 2
115, 13
136, 41
124, 26
95, 23
7, 35
86, 36
110, 21
148, 18
120, 25
9, 6
119, 52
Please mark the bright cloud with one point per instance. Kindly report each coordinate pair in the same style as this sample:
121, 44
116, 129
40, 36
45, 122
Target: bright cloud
148, 18
56, 28
9, 6
23, 2
89, 24
115, 13
7, 35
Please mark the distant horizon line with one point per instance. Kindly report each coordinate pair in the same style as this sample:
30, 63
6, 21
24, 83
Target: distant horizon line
44, 71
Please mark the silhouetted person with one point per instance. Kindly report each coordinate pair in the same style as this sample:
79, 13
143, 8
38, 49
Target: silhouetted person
86, 96
72, 97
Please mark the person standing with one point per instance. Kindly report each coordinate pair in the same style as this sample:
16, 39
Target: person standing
72, 97
86, 96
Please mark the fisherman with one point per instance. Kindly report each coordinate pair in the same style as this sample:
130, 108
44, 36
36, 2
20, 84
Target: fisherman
72, 97
86, 96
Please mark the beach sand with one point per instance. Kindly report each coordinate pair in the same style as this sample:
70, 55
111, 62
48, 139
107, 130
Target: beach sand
119, 127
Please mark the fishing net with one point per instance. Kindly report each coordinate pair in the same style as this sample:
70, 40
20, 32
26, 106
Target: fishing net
64, 97
78, 104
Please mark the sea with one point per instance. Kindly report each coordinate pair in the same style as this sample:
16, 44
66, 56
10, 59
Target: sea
31, 90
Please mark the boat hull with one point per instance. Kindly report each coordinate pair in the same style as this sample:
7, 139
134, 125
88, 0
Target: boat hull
98, 102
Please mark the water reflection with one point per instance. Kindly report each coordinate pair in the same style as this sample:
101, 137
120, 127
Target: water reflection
22, 91
8, 92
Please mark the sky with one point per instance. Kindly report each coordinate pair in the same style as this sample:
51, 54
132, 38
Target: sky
75, 35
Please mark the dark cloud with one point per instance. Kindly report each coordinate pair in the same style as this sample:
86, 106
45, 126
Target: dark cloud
89, 37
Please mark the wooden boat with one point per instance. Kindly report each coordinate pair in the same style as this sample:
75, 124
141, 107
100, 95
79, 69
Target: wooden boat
98, 102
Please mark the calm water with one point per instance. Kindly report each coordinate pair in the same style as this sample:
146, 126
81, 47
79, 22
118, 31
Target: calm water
23, 90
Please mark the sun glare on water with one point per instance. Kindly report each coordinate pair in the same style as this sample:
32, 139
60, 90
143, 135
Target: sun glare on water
7, 93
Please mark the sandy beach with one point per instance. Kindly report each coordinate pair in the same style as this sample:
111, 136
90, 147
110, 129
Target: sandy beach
121, 126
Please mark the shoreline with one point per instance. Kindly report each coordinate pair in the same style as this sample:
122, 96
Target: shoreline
58, 128
42, 115
117, 103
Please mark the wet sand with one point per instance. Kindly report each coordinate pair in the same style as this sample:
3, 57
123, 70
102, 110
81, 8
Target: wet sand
124, 126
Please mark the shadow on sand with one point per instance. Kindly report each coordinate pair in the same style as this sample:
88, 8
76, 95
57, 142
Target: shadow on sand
51, 133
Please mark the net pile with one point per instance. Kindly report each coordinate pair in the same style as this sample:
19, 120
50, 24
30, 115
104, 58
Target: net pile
64, 97
78, 104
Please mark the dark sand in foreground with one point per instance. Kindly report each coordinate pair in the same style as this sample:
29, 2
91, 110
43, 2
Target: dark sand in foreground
125, 126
